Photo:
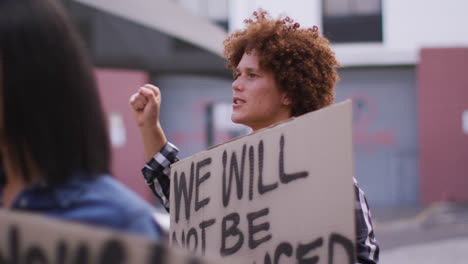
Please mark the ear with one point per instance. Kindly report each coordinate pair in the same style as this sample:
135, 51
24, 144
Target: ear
286, 100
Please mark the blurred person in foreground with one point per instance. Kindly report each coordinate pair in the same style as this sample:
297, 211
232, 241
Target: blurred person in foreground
53, 138
280, 71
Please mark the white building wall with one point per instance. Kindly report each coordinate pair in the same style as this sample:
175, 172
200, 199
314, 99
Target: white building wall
212, 9
422, 23
306, 12
408, 26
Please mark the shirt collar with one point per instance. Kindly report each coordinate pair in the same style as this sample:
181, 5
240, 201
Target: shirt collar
44, 196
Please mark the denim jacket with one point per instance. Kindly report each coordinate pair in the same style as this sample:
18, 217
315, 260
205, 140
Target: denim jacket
103, 202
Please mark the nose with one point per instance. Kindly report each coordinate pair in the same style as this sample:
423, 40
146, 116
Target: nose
236, 85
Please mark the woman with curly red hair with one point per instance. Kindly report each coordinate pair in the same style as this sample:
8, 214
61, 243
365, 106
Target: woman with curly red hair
280, 71
301, 61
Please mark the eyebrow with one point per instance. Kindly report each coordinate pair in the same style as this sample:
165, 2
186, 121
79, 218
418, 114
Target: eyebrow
249, 69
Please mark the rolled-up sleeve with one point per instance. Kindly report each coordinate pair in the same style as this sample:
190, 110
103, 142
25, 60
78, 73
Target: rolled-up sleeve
367, 248
157, 172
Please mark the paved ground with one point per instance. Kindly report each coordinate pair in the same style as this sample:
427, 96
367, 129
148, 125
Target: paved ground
432, 234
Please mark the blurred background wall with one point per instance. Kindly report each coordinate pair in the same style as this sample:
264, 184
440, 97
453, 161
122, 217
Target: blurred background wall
404, 64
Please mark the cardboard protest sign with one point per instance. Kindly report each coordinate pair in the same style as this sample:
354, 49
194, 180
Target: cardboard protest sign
281, 194
31, 238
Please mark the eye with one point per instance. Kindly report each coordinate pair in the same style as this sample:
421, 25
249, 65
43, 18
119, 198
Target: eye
252, 75
235, 75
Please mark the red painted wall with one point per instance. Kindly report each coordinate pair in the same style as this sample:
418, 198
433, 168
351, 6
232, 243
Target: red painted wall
443, 96
115, 88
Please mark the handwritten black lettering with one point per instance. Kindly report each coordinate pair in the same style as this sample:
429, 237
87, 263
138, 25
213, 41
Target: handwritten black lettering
198, 181
304, 249
19, 250
63, 256
61, 253
113, 251
192, 233
158, 254
251, 172
13, 249
253, 229
267, 259
233, 170
180, 189
232, 231
182, 239
203, 225
287, 177
263, 188
283, 248
337, 239
34, 255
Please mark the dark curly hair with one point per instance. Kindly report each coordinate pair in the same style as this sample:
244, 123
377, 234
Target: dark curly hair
301, 59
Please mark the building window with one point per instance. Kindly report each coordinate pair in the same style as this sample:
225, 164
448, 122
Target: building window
347, 21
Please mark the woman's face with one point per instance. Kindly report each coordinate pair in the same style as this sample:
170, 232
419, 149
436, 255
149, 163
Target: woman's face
257, 101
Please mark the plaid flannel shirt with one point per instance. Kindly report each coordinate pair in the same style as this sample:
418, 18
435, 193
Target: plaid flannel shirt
157, 175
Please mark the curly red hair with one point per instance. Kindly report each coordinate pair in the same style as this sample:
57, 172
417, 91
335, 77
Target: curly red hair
301, 59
